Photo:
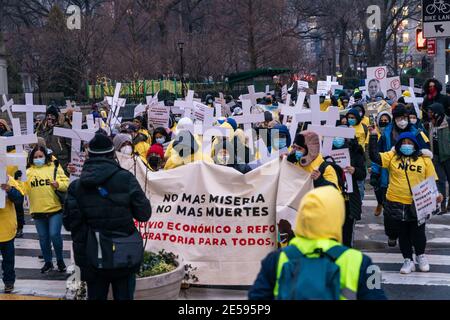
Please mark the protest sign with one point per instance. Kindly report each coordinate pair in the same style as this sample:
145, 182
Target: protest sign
394, 88
224, 224
342, 159
424, 195
159, 115
376, 81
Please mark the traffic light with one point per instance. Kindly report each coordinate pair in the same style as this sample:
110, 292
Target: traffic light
421, 42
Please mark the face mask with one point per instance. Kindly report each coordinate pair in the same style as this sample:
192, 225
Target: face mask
39, 162
177, 119
127, 150
281, 143
407, 149
338, 142
298, 155
153, 161
160, 140
402, 124
352, 122
383, 124
413, 121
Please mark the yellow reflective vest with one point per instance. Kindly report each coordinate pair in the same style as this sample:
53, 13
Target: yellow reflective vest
349, 264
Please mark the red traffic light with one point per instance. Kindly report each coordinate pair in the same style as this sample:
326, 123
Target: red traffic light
421, 42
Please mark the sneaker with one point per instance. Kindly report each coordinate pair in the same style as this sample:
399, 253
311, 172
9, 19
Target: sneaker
48, 266
61, 266
444, 209
9, 288
40, 257
19, 233
408, 267
378, 210
392, 243
424, 266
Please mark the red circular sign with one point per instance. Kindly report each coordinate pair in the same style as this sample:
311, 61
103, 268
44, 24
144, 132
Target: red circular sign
395, 84
380, 73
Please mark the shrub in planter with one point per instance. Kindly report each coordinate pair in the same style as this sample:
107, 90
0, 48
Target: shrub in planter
156, 264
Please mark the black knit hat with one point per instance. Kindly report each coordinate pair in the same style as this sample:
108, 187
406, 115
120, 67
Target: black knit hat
100, 145
52, 111
400, 111
300, 141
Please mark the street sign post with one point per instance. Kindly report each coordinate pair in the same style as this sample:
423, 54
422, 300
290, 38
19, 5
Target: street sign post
436, 18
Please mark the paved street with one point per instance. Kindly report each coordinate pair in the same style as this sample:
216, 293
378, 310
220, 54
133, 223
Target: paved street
369, 237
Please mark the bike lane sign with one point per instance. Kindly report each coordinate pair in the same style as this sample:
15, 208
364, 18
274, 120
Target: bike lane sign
436, 18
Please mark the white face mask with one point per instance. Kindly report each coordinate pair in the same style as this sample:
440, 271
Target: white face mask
127, 150
160, 140
402, 124
413, 121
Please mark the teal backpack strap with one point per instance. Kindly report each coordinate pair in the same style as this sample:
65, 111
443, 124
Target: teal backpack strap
336, 252
293, 253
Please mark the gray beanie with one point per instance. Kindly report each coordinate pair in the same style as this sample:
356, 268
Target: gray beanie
120, 139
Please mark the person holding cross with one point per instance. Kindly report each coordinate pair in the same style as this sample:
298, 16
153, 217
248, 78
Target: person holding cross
60, 146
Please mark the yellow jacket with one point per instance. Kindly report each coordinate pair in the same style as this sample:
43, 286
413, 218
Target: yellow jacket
8, 219
147, 134
329, 173
176, 161
325, 105
141, 148
361, 135
41, 194
229, 138
418, 171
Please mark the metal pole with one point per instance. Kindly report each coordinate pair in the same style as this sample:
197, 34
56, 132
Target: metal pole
182, 72
440, 67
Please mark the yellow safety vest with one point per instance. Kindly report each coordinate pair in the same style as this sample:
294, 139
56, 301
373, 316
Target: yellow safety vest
349, 264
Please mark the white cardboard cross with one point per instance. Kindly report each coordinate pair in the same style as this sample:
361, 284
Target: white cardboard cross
187, 104
116, 104
29, 109
208, 134
19, 147
247, 119
252, 95
289, 111
415, 101
17, 159
7, 104
77, 135
314, 115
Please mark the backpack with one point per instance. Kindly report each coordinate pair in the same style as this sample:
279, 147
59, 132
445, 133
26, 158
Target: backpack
329, 161
304, 278
112, 250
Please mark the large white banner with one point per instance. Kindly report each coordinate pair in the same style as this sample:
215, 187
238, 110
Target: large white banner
218, 220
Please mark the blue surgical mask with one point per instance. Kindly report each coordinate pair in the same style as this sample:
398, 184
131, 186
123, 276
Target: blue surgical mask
298, 155
352, 122
160, 140
407, 149
280, 143
338, 142
39, 162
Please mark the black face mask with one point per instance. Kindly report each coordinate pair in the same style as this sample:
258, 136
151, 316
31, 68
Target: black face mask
154, 161
384, 124
2, 130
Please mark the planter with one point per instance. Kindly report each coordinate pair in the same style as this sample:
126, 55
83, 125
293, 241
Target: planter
161, 287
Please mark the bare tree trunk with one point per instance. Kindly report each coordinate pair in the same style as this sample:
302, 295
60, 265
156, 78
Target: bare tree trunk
251, 37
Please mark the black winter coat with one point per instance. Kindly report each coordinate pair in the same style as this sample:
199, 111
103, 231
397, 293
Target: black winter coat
85, 206
353, 203
440, 98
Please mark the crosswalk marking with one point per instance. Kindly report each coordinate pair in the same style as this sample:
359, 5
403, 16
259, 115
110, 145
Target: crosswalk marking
397, 258
31, 229
416, 278
34, 244
47, 288
26, 262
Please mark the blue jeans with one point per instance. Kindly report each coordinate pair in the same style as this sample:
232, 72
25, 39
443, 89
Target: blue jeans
361, 188
49, 230
8, 253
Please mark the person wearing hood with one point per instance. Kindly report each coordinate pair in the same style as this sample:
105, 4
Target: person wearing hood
123, 144
61, 147
318, 227
218, 140
432, 89
140, 145
225, 156
185, 124
408, 166
155, 157
209, 101
185, 150
241, 147
106, 199
282, 142
379, 176
45, 177
353, 202
414, 119
306, 155
343, 101
440, 137
362, 113
141, 124
361, 130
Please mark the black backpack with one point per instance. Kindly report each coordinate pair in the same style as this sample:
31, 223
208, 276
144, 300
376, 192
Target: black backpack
329, 161
113, 250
